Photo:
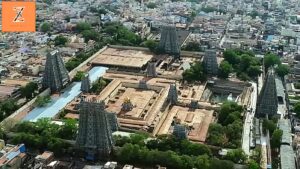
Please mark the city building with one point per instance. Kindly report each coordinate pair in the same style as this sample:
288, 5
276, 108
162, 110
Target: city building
45, 158
297, 71
12, 156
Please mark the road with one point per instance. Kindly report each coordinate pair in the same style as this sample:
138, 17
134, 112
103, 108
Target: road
246, 139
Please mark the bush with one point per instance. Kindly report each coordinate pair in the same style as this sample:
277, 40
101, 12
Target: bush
82, 26
152, 45
195, 73
45, 27
225, 69
98, 86
297, 85
276, 139
151, 5
271, 60
193, 46
42, 101
28, 91
282, 70
79, 76
60, 40
237, 156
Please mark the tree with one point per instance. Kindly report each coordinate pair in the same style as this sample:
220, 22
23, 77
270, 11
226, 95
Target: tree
254, 14
152, 45
45, 27
60, 40
202, 162
216, 135
98, 85
89, 35
236, 156
67, 18
71, 64
79, 76
271, 60
42, 101
297, 109
57, 146
226, 109
188, 148
8, 106
269, 125
111, 29
28, 91
256, 155
224, 164
276, 138
228, 131
93, 9
151, 5
195, 73
231, 57
245, 62
8, 124
225, 69
209, 9
297, 85
234, 133
81, 26
193, 46
254, 71
121, 35
253, 165
282, 70
243, 76
102, 11
133, 154
68, 129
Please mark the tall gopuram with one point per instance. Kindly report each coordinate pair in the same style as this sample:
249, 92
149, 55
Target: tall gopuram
267, 101
95, 129
85, 84
210, 62
151, 69
55, 74
180, 131
172, 95
169, 41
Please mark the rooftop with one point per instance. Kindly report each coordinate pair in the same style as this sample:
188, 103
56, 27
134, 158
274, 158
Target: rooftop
285, 126
123, 57
287, 157
198, 119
